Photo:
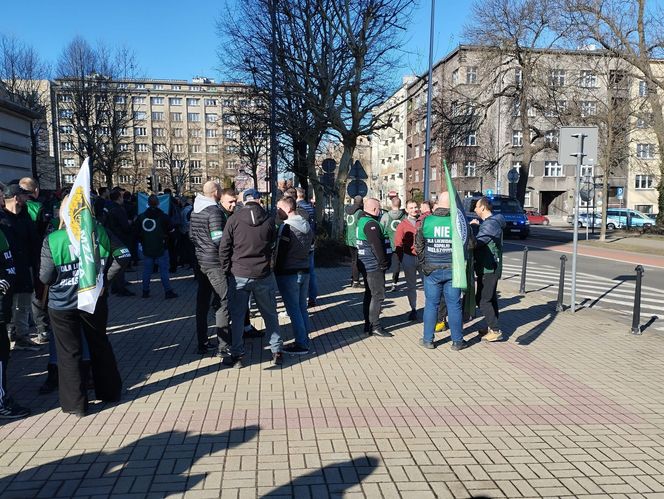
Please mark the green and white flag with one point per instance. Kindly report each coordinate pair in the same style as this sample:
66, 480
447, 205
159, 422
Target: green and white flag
84, 242
459, 234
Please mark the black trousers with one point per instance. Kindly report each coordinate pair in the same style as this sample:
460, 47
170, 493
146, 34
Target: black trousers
374, 294
212, 282
488, 299
40, 311
4, 360
355, 271
173, 244
67, 325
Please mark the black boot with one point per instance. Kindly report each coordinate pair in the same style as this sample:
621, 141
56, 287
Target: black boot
51, 383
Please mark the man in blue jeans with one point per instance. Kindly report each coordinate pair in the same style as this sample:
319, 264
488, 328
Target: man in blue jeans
303, 205
153, 227
292, 271
433, 244
245, 251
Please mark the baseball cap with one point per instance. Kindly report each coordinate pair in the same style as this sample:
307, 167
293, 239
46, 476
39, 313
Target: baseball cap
12, 190
251, 195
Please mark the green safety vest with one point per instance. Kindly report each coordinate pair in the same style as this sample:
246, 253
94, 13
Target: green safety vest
351, 228
390, 228
437, 232
34, 208
365, 251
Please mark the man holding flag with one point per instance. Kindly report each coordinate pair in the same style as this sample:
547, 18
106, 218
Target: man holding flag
440, 243
77, 262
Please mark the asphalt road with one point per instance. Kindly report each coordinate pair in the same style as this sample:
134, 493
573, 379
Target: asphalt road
601, 283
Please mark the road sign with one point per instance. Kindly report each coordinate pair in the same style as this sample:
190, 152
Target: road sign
329, 165
357, 171
327, 179
587, 194
357, 188
620, 192
569, 145
513, 176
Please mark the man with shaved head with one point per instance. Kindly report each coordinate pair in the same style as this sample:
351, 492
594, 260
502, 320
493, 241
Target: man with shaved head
433, 244
208, 221
374, 259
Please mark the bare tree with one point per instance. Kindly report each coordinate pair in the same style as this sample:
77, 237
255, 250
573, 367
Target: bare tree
175, 153
24, 74
94, 105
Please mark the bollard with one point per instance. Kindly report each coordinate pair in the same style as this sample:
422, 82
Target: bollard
561, 284
522, 288
636, 317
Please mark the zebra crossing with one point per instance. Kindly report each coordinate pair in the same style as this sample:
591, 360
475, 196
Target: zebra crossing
592, 291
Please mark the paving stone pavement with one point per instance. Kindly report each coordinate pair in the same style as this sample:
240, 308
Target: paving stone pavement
569, 405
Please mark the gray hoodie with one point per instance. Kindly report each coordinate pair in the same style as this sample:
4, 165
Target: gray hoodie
295, 239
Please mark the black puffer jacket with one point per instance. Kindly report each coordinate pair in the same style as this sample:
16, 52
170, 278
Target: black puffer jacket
21, 234
206, 226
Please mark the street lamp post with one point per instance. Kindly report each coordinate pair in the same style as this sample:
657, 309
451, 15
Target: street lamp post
427, 147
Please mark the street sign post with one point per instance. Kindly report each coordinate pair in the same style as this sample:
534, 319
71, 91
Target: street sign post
357, 171
329, 165
357, 188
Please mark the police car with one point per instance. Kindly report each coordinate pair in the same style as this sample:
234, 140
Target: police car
516, 221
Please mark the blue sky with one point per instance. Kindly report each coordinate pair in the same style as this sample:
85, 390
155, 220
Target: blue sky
175, 39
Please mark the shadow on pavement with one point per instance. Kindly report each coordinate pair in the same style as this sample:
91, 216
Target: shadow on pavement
333, 479
158, 464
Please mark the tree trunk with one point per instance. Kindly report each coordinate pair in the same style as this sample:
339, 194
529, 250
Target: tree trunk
340, 187
34, 140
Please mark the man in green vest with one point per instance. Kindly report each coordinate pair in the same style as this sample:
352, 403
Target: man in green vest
374, 259
352, 213
433, 244
488, 265
389, 221
153, 228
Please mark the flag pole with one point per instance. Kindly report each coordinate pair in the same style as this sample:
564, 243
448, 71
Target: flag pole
427, 147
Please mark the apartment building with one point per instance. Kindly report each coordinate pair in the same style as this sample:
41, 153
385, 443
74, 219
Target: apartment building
186, 126
478, 127
388, 146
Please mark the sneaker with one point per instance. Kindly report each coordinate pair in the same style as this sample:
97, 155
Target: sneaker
26, 344
277, 358
252, 333
232, 361
311, 303
355, 284
459, 345
393, 287
11, 410
412, 316
170, 294
42, 337
493, 335
146, 294
223, 351
296, 349
441, 326
380, 332
427, 344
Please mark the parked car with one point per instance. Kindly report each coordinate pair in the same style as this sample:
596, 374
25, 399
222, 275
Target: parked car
623, 218
517, 223
536, 218
586, 219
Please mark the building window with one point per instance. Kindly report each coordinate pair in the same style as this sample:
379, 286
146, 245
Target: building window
158, 86
228, 102
211, 117
125, 179
178, 147
210, 102
158, 132
516, 107
177, 132
194, 148
194, 133
196, 180
161, 163
471, 139
587, 170
193, 102
433, 173
138, 100
470, 169
68, 178
645, 151
142, 148
527, 200
66, 129
557, 78
176, 116
230, 165
176, 87
139, 115
67, 146
229, 134
195, 164
551, 138
643, 88
232, 149
210, 133
643, 182
552, 169
175, 101
212, 149
471, 75
644, 121
588, 108
587, 79
194, 88
193, 117
140, 86
159, 148
518, 77
643, 208
64, 98
69, 163
417, 175
119, 99
455, 77
517, 138
157, 116
66, 113
156, 101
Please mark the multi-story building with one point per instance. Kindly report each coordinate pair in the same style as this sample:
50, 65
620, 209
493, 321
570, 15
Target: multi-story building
189, 125
478, 127
388, 146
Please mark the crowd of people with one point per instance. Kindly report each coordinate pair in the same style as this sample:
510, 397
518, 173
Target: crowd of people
240, 254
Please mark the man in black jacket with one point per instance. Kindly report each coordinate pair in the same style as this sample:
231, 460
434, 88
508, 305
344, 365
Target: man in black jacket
207, 224
117, 222
373, 261
245, 251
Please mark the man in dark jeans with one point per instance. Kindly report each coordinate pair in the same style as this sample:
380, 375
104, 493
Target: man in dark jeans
206, 226
117, 222
488, 265
373, 261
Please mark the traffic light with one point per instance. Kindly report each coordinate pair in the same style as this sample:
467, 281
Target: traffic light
149, 179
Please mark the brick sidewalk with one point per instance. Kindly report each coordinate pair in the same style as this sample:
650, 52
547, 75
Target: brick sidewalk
569, 405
